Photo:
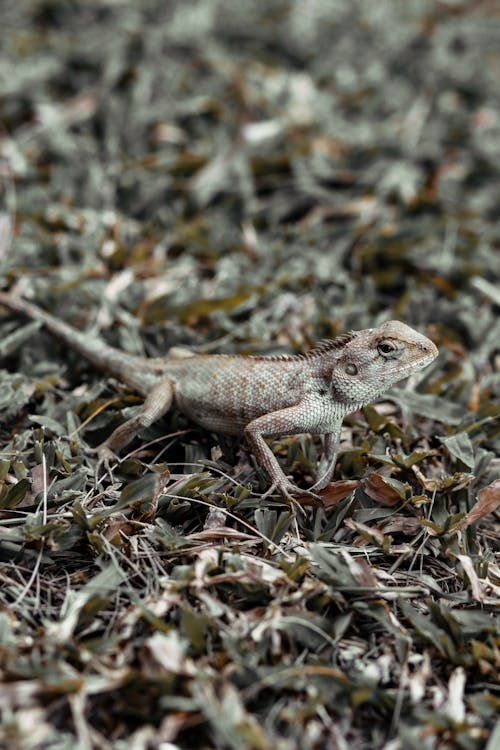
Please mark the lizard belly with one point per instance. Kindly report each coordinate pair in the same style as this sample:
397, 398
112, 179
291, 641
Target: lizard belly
317, 415
214, 419
229, 417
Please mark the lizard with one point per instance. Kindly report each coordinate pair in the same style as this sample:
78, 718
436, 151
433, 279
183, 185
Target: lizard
258, 396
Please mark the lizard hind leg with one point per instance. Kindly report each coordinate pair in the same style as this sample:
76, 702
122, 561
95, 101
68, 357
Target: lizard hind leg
157, 403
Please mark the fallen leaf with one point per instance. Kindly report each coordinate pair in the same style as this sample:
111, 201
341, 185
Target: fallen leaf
337, 491
383, 492
369, 534
400, 524
488, 499
475, 584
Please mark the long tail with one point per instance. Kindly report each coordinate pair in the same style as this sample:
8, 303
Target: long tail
129, 369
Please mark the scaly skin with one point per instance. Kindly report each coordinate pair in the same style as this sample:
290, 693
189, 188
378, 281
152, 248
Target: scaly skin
256, 396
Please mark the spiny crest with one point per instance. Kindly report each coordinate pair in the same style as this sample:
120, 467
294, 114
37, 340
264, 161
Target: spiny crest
327, 345
322, 347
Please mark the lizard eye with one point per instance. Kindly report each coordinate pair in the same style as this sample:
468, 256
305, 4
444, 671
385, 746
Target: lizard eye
386, 348
351, 369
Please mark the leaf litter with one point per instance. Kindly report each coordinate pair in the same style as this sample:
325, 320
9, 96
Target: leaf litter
249, 178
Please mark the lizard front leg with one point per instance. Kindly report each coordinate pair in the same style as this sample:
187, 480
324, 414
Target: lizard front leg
290, 421
157, 403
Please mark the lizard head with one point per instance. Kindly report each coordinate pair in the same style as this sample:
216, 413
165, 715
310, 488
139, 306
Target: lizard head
372, 360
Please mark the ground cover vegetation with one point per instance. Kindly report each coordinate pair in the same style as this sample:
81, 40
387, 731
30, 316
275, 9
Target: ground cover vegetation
249, 177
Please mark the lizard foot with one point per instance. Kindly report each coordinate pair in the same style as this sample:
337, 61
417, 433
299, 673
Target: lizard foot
292, 493
105, 457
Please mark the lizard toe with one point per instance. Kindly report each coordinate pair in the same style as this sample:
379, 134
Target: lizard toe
293, 494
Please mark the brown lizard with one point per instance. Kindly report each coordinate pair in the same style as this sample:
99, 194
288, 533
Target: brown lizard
257, 396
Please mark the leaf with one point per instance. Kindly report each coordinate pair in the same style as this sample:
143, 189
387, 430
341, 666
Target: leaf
142, 489
399, 524
360, 569
475, 584
376, 421
453, 482
487, 288
233, 726
488, 499
428, 405
4, 469
15, 392
461, 447
271, 524
494, 740
383, 490
15, 340
307, 630
15, 494
428, 630
332, 566
91, 597
159, 310
454, 707
169, 651
412, 459
476, 623
370, 534
55, 427
194, 626
333, 493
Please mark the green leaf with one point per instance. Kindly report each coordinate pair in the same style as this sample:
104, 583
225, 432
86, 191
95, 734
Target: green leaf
144, 488
413, 458
15, 392
428, 405
56, 428
15, 340
460, 446
15, 494
4, 469
272, 524
428, 630
194, 627
494, 740
332, 566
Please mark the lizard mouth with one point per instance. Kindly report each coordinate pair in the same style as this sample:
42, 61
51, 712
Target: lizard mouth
427, 353
431, 348
421, 360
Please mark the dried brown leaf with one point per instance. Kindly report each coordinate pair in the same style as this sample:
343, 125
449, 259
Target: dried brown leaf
475, 584
361, 570
452, 482
337, 491
378, 488
488, 499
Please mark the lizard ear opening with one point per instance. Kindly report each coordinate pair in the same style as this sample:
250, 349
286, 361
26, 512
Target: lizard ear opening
351, 369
